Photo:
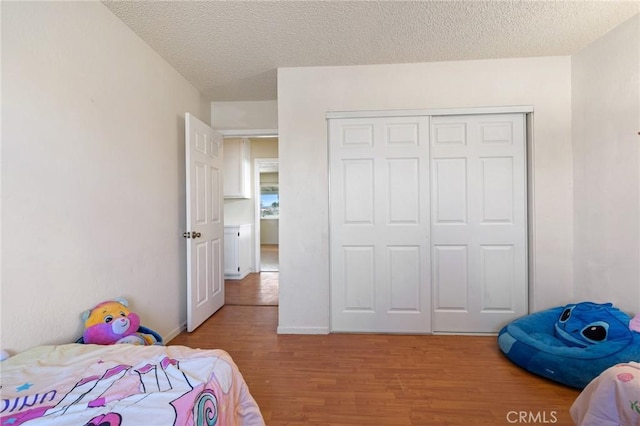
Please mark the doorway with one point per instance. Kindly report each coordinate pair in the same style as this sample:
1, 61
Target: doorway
267, 214
261, 286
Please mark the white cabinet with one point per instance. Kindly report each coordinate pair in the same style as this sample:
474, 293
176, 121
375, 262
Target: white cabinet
237, 251
237, 168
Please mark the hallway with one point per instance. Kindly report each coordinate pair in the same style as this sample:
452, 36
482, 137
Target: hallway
256, 289
269, 259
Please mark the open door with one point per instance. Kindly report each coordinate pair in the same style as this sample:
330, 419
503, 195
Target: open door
205, 226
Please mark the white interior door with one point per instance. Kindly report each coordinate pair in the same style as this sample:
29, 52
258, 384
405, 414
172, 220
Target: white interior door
205, 227
379, 224
479, 221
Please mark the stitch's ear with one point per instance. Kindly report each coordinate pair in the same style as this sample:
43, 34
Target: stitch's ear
122, 301
85, 315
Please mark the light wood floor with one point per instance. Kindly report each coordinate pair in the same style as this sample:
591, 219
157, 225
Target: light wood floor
366, 379
269, 257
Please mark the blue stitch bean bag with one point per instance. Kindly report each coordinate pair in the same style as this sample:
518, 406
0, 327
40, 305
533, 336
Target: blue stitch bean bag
571, 344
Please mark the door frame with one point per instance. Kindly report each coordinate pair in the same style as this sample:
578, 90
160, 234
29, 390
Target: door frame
527, 111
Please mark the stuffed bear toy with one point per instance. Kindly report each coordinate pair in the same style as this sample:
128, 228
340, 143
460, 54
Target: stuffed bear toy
111, 322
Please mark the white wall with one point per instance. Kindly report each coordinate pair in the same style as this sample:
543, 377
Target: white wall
269, 230
306, 94
92, 173
250, 115
606, 150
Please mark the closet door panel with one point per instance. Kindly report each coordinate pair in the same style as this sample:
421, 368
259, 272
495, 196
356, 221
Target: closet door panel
428, 223
379, 224
479, 203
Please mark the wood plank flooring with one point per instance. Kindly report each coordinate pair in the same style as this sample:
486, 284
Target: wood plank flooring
253, 290
367, 379
269, 257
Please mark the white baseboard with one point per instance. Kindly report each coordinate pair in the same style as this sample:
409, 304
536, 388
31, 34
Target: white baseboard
303, 330
175, 332
462, 333
237, 277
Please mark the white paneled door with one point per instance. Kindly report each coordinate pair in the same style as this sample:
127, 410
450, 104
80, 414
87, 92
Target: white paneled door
478, 221
427, 223
205, 227
380, 224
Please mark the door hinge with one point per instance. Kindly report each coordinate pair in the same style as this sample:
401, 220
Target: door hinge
238, 269
187, 235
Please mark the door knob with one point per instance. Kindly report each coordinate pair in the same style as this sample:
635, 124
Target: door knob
196, 235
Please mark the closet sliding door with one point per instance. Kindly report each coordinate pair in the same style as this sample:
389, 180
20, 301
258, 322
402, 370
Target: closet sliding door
428, 223
478, 222
379, 224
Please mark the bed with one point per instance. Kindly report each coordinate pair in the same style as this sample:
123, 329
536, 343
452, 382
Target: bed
611, 399
113, 385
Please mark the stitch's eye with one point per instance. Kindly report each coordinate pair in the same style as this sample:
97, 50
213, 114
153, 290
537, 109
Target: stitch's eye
566, 314
122, 314
108, 318
596, 332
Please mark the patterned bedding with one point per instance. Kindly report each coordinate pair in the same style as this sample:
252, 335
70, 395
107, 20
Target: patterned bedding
124, 385
611, 399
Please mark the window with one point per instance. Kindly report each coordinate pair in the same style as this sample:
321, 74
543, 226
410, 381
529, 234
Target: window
269, 201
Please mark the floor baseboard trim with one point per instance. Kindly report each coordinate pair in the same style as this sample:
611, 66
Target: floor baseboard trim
303, 330
174, 333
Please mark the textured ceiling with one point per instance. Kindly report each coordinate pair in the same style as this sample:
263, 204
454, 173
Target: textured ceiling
230, 50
